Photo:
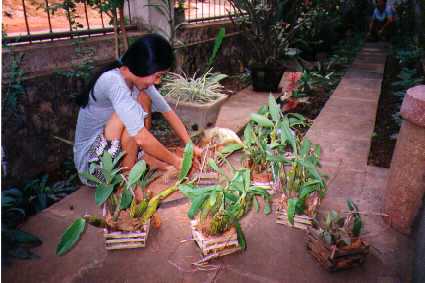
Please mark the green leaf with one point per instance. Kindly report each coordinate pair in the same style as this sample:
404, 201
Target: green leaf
126, 198
90, 177
117, 159
230, 196
107, 161
305, 147
241, 236
187, 161
255, 203
311, 169
327, 237
102, 193
215, 167
297, 116
286, 135
357, 226
261, 120
213, 198
292, 202
71, 236
306, 191
274, 109
248, 134
267, 207
299, 206
197, 203
136, 173
21, 237
263, 110
352, 206
217, 44
230, 148
274, 158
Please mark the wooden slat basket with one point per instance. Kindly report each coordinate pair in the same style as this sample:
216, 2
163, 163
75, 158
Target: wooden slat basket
215, 246
333, 258
300, 221
121, 240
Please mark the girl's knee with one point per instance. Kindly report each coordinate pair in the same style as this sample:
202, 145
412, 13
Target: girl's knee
114, 128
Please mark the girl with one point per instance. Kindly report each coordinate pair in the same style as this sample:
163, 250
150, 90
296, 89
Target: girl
116, 107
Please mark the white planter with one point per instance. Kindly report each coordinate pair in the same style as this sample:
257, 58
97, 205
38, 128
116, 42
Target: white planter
197, 116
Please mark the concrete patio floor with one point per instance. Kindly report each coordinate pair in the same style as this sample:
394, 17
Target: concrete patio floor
275, 253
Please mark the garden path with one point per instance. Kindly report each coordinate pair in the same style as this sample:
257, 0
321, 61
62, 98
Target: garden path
275, 253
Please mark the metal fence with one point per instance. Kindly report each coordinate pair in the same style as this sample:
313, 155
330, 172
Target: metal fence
207, 10
35, 20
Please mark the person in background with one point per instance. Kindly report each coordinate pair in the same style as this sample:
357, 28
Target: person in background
381, 26
116, 108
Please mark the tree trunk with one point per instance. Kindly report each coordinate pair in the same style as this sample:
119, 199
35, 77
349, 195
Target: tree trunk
172, 22
116, 40
122, 27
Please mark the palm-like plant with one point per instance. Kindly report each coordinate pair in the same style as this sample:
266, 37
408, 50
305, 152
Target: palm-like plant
268, 134
266, 27
220, 207
117, 192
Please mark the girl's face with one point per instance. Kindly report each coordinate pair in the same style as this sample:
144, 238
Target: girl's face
141, 82
147, 81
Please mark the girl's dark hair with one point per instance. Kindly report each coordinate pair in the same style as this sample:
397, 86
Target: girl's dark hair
149, 54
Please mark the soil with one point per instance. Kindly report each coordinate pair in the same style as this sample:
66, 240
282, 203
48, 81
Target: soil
234, 84
383, 140
386, 128
162, 131
315, 103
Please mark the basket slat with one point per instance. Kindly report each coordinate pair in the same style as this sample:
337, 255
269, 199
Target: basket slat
119, 240
215, 246
124, 246
134, 240
300, 221
333, 258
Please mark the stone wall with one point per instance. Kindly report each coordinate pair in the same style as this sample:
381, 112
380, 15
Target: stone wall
47, 108
201, 38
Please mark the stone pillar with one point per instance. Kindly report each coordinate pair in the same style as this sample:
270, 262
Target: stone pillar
406, 182
149, 17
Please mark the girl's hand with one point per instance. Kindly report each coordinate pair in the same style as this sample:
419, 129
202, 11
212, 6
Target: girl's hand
197, 151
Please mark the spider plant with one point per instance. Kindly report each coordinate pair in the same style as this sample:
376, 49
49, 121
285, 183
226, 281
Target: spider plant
117, 192
197, 89
220, 207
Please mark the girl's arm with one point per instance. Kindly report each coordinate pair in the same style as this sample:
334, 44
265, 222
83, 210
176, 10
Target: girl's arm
179, 128
146, 103
153, 147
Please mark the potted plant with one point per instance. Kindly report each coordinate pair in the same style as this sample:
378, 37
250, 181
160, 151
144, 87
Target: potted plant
303, 185
197, 99
266, 141
335, 242
125, 221
216, 211
269, 36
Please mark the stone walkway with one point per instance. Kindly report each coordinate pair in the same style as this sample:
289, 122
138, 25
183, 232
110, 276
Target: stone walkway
235, 113
275, 253
344, 129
